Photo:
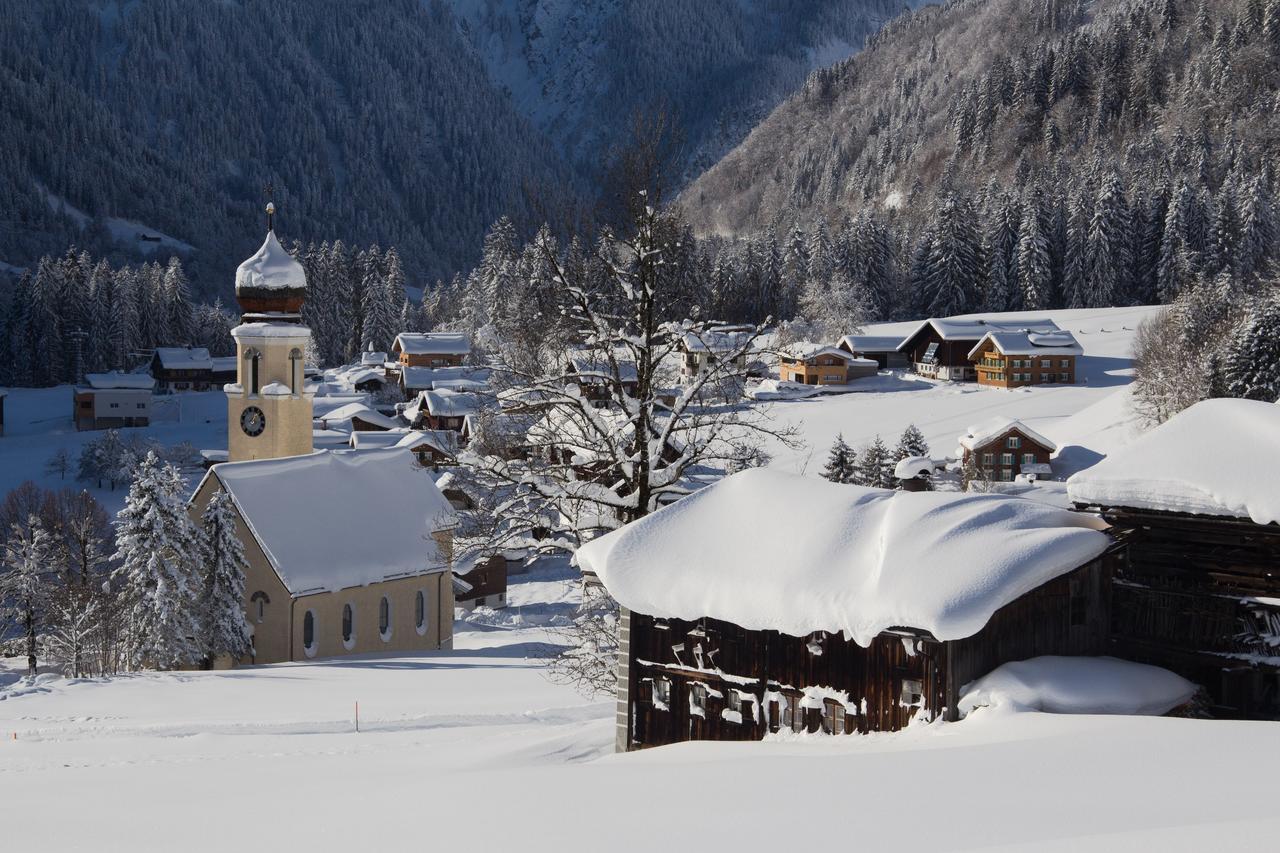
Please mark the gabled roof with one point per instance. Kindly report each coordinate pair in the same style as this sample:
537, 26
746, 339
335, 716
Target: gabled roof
432, 343
425, 378
716, 340
993, 428
1219, 457
1025, 342
853, 559
340, 518
951, 329
449, 404
806, 350
597, 363
870, 343
120, 381
359, 411
185, 358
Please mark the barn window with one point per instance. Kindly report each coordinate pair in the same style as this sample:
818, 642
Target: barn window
662, 693
792, 715
698, 699
384, 618
912, 691
420, 612
309, 633
348, 625
833, 718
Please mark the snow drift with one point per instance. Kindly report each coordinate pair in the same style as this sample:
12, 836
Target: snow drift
1078, 685
769, 550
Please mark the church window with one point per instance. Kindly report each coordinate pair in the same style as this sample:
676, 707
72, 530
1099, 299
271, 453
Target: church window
252, 359
295, 370
309, 633
420, 612
348, 625
260, 601
384, 618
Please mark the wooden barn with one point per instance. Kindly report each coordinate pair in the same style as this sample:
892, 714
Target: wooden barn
851, 625
1198, 507
939, 347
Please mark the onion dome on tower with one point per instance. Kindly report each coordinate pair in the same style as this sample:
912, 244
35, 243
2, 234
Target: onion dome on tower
271, 285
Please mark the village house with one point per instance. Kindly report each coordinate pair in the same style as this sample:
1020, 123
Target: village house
882, 349
1002, 448
190, 369
442, 410
1196, 501
357, 417
592, 373
846, 625
112, 401
1021, 358
700, 349
330, 572
939, 347
481, 582
817, 364
431, 349
431, 448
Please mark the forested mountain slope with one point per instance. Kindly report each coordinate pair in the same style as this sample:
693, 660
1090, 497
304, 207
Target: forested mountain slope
579, 68
373, 127
1047, 92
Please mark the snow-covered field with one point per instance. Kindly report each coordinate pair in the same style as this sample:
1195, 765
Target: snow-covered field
474, 748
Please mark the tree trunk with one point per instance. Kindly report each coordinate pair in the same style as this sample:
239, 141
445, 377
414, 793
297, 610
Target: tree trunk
31, 643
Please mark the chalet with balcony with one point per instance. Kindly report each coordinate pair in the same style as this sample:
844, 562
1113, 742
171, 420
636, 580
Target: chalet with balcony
939, 347
431, 349
112, 401
1003, 448
855, 632
700, 349
1196, 501
818, 364
1022, 358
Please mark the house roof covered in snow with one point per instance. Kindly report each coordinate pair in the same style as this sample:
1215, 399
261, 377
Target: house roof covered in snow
185, 358
807, 350
270, 268
443, 440
373, 358
432, 343
716, 340
1219, 457
914, 466
953, 329
596, 367
449, 404
1023, 342
980, 434
323, 519
853, 559
120, 381
427, 378
870, 343
373, 439
359, 411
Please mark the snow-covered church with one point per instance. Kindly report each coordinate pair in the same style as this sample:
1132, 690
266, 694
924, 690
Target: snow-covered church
348, 552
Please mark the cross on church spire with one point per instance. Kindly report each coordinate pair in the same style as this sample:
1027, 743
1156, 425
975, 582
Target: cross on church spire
270, 191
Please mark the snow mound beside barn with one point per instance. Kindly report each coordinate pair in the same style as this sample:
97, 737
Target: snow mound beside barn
1078, 685
1215, 458
768, 550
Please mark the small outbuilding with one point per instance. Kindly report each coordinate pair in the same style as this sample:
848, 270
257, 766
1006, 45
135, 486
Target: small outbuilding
113, 401
870, 608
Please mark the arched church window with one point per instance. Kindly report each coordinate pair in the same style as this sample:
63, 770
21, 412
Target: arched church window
384, 619
348, 625
295, 370
253, 360
309, 632
260, 601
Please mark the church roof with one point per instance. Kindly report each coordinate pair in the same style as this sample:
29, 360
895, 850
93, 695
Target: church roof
270, 268
340, 518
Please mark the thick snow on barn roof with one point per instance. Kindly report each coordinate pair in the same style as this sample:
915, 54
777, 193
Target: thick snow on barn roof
871, 343
185, 358
979, 434
117, 380
432, 343
1023, 342
361, 411
270, 268
449, 404
1218, 457
806, 350
847, 559
950, 329
716, 340
340, 518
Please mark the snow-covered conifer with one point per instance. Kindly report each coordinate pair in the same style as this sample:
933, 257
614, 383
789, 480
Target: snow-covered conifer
840, 462
223, 566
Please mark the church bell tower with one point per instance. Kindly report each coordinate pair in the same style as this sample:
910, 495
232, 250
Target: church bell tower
268, 409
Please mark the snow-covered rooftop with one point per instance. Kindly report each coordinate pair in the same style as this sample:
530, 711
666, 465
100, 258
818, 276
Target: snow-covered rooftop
870, 343
340, 518
116, 380
373, 358
185, 358
913, 466
354, 411
949, 328
1215, 458
596, 367
847, 559
1023, 342
426, 378
432, 343
270, 268
716, 340
979, 434
807, 350
449, 404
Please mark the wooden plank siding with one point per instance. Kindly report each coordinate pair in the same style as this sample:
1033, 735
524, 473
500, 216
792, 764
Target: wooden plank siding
1194, 596
1069, 615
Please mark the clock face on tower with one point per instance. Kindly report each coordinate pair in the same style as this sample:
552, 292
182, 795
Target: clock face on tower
253, 421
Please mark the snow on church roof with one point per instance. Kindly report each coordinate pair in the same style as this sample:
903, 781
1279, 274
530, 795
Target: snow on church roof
851, 559
1218, 457
270, 268
340, 518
